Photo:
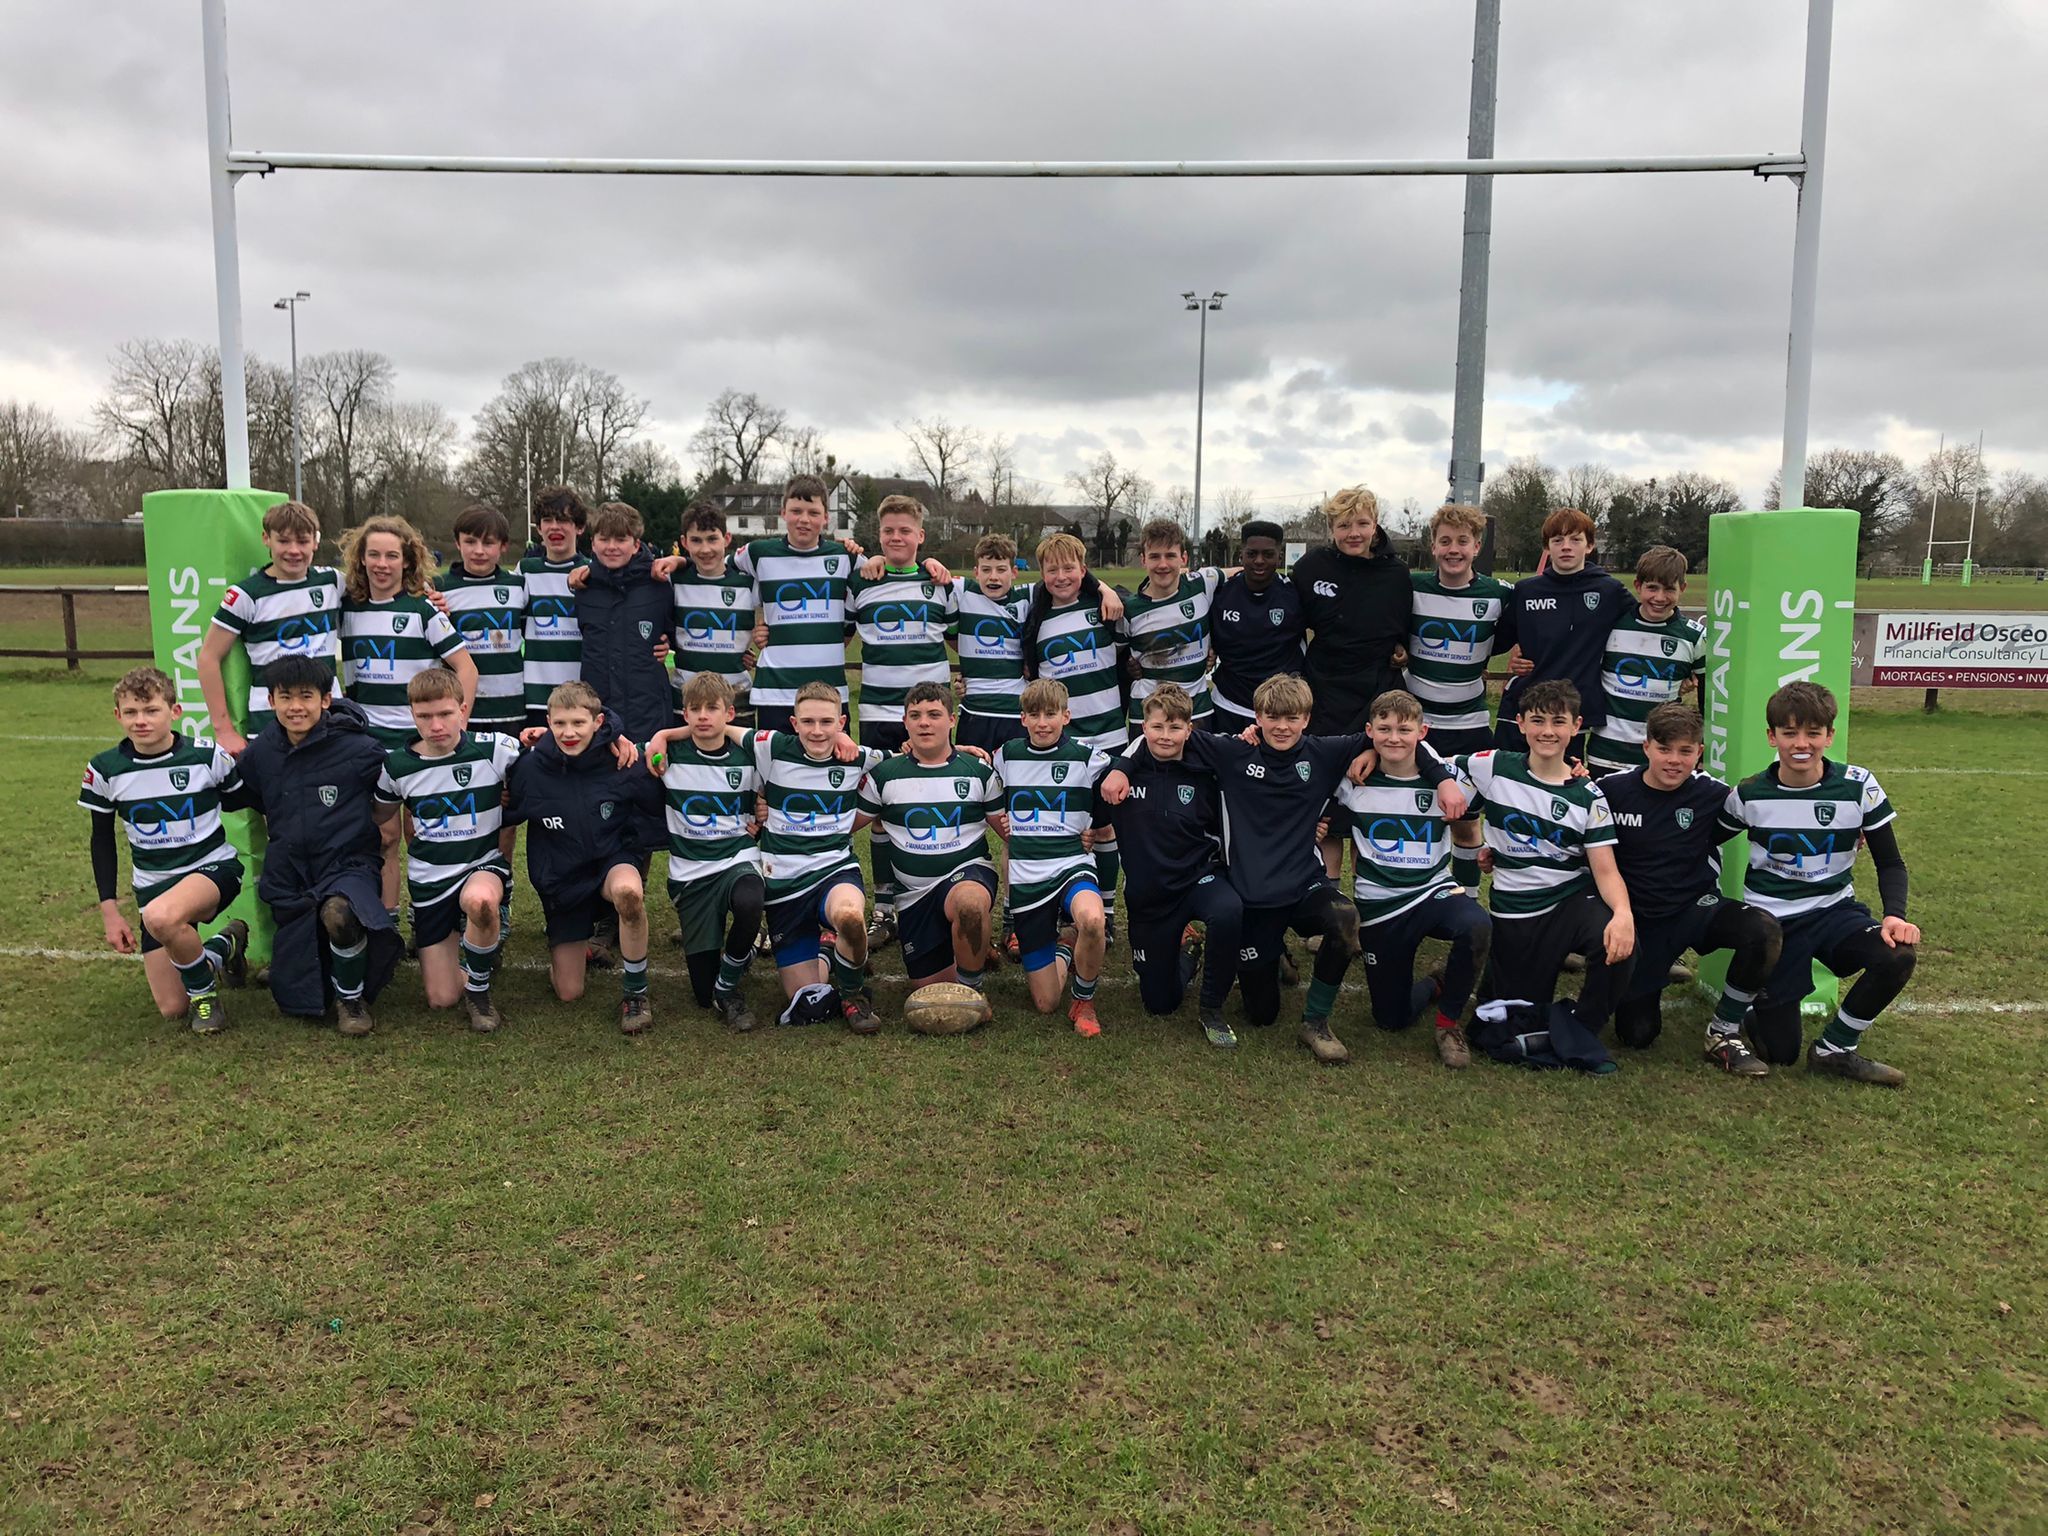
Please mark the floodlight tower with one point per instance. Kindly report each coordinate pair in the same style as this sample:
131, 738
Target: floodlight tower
1202, 307
291, 305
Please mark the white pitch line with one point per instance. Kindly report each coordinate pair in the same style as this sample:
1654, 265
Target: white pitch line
1908, 1006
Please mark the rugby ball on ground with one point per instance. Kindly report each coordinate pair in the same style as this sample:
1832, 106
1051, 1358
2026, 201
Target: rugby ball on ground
945, 1008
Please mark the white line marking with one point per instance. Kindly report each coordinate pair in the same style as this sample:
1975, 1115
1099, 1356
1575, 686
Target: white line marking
1965, 1005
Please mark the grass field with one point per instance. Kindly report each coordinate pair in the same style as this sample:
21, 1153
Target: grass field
561, 1281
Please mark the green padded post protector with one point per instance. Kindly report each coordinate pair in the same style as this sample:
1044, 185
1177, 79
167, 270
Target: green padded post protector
198, 544
1781, 608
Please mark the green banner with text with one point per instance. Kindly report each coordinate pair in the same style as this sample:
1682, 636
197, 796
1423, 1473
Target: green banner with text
1781, 608
198, 544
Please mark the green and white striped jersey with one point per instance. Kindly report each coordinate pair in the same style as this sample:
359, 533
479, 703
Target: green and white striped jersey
1077, 648
457, 805
1049, 797
276, 619
169, 807
902, 618
1803, 842
489, 612
710, 807
384, 646
1401, 843
1450, 641
802, 594
988, 635
1539, 832
935, 817
1645, 665
714, 624
1169, 637
808, 836
554, 637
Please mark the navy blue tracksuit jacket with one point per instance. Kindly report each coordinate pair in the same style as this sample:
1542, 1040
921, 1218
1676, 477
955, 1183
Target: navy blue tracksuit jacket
317, 803
1561, 623
583, 814
624, 615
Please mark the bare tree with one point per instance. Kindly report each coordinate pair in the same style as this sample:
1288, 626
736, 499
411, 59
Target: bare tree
647, 461
739, 428
1877, 486
940, 450
407, 449
36, 455
803, 453
155, 408
1518, 500
528, 430
607, 415
1111, 490
1592, 489
350, 386
999, 472
1179, 504
1235, 506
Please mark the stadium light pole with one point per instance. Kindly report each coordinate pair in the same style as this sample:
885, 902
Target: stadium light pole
1202, 306
291, 307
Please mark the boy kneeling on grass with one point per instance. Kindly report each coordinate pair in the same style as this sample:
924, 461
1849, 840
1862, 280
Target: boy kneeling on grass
1556, 891
588, 812
931, 803
452, 787
1806, 816
710, 781
166, 791
1403, 886
312, 774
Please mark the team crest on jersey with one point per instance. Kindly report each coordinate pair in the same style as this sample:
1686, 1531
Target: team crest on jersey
929, 588
732, 777
501, 594
1559, 810
1478, 608
1187, 610
1424, 798
1301, 771
1670, 646
462, 771
1277, 615
319, 597
604, 810
961, 786
646, 629
1592, 599
1684, 815
837, 776
1092, 616
1187, 794
832, 566
180, 777
1059, 773
725, 596
398, 623
1823, 811
329, 794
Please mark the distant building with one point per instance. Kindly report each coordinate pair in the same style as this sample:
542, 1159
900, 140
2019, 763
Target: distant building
753, 510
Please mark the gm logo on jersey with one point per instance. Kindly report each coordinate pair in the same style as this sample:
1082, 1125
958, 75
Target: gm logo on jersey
792, 598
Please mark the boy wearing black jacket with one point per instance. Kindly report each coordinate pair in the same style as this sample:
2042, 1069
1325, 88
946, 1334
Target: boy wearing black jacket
625, 611
1558, 622
312, 775
1171, 829
588, 822
1355, 598
1274, 793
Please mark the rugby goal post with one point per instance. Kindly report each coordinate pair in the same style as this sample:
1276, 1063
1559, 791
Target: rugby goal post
1766, 604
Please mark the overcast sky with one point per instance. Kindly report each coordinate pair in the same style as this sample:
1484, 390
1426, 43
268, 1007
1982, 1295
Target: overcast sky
1635, 320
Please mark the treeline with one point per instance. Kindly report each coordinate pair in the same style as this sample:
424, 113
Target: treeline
367, 448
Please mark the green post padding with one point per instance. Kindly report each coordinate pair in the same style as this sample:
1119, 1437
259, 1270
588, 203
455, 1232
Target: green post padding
1781, 608
198, 544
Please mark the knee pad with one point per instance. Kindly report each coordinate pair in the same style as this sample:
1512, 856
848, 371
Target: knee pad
338, 922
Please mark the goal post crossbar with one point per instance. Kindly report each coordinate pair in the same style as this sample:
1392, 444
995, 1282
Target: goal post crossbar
262, 162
